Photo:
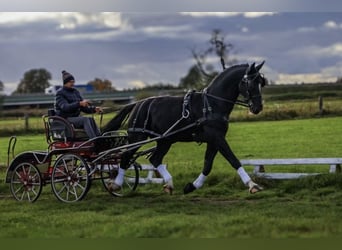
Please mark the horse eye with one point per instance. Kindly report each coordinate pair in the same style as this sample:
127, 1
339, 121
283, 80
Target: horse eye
263, 82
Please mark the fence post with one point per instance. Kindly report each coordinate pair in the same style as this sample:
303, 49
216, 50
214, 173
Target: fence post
320, 105
26, 118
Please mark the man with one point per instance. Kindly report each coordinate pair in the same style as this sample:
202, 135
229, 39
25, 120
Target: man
69, 103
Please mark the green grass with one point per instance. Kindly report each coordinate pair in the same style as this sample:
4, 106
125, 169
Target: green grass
304, 208
148, 213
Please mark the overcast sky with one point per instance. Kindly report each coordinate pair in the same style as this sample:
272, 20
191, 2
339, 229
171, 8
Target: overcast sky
138, 48
171, 6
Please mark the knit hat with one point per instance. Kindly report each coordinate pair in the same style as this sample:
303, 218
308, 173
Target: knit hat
67, 77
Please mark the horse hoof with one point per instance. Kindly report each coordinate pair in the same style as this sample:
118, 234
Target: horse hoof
189, 188
254, 188
168, 189
112, 187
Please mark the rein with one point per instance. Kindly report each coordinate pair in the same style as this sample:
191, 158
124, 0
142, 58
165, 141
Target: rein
238, 102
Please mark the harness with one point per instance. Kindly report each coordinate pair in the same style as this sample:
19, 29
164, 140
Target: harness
207, 110
185, 115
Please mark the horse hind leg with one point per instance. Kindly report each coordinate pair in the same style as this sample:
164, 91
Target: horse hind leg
116, 183
156, 160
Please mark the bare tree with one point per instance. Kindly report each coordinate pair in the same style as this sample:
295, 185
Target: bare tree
217, 46
203, 72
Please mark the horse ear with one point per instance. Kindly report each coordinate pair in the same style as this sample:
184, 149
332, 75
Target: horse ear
259, 66
250, 69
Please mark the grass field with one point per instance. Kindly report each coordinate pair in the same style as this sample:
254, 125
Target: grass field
305, 208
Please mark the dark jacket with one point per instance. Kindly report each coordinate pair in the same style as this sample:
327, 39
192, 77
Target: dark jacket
67, 103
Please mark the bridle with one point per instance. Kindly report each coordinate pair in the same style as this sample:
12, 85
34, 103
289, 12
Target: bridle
243, 89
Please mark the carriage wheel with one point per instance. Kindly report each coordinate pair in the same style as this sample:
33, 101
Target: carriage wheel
70, 178
131, 179
26, 182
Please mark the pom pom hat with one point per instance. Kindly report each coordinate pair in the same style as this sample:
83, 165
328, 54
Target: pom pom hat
67, 77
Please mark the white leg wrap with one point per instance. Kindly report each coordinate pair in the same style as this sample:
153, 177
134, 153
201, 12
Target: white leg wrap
199, 181
243, 175
120, 177
164, 173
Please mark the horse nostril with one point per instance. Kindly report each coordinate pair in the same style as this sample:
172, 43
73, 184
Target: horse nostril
255, 110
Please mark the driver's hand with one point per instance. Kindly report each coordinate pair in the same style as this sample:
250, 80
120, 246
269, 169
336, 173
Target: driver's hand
84, 103
98, 109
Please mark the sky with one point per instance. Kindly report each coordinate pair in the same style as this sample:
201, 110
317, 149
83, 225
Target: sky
171, 6
139, 48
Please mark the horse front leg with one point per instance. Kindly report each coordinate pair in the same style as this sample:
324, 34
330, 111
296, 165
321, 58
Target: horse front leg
210, 154
228, 154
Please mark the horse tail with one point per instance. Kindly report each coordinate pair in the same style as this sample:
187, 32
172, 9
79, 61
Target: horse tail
117, 121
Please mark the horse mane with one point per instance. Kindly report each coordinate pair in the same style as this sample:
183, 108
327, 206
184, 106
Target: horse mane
227, 71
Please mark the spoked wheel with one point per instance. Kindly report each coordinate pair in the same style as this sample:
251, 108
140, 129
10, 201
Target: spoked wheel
26, 182
70, 178
131, 179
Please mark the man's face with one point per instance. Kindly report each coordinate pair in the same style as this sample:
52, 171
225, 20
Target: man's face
70, 84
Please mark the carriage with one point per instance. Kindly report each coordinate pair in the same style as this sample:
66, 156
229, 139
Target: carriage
71, 163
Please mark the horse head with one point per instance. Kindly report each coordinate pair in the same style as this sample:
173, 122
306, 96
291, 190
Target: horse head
250, 87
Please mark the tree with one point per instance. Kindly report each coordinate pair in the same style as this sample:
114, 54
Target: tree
101, 85
34, 81
193, 80
1, 87
1, 95
339, 80
201, 74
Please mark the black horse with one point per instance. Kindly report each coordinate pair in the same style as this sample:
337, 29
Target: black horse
198, 116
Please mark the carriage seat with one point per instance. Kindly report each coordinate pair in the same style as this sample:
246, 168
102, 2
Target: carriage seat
60, 129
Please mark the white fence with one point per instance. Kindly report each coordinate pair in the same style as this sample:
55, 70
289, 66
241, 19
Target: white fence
260, 170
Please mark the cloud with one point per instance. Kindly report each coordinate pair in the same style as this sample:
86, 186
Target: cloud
229, 14
170, 6
137, 84
326, 74
306, 29
63, 20
332, 25
333, 50
101, 20
315, 51
258, 14
20, 18
166, 31
57, 26
328, 25
304, 78
244, 29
